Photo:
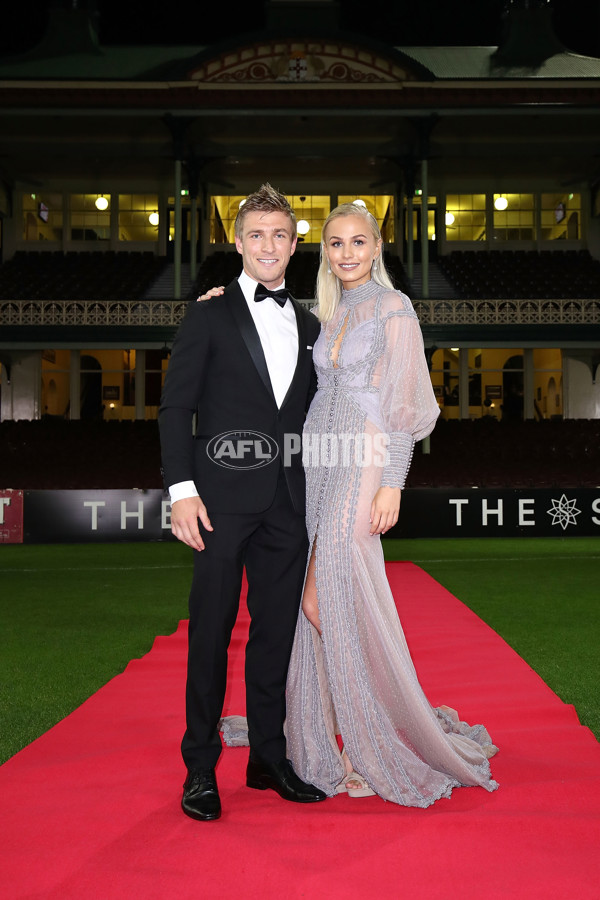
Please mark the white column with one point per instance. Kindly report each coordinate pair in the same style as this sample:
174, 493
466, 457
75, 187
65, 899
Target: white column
6, 390
21, 396
581, 390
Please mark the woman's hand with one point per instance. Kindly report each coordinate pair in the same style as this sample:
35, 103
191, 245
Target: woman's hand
384, 509
213, 292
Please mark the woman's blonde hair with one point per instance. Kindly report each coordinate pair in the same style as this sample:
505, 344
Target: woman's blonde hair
329, 287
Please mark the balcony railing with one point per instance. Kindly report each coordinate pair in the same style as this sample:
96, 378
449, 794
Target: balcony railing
508, 312
93, 312
430, 312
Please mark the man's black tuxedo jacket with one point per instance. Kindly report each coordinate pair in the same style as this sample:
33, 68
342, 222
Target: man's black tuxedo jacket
218, 371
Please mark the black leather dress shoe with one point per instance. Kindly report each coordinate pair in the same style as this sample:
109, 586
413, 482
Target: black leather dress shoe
281, 778
201, 795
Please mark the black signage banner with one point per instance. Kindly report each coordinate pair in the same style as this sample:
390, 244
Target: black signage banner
559, 512
96, 516
136, 515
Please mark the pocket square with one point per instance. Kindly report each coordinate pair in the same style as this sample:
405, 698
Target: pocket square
309, 347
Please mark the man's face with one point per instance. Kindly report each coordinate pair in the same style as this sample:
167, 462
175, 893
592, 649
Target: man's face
266, 245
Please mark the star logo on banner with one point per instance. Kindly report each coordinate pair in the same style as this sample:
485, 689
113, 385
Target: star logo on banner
564, 512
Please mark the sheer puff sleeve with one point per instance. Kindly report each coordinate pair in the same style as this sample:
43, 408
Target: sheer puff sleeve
407, 402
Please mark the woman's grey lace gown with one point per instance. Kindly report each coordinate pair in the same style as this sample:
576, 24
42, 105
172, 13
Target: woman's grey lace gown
359, 679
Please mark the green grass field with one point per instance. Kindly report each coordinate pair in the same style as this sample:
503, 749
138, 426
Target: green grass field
72, 616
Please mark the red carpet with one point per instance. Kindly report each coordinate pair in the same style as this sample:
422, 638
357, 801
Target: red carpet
91, 809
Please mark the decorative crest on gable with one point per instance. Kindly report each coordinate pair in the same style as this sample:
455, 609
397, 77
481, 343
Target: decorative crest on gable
301, 62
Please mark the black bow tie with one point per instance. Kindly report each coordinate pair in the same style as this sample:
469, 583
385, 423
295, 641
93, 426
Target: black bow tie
279, 296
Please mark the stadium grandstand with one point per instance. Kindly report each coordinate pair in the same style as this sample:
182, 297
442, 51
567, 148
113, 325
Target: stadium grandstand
122, 169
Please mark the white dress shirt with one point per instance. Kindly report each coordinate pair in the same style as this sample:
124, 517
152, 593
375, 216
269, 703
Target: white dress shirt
278, 333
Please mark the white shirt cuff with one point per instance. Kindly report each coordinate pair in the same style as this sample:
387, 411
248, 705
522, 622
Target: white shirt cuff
182, 490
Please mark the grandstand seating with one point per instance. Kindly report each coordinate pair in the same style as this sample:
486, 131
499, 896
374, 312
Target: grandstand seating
56, 454
485, 453
522, 274
479, 274
88, 275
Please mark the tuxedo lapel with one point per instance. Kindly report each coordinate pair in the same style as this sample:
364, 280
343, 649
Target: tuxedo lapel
240, 312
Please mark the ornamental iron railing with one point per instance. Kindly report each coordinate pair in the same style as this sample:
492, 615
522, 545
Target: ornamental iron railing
430, 312
93, 312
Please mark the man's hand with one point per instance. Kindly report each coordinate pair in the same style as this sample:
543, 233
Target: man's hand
212, 292
184, 521
384, 509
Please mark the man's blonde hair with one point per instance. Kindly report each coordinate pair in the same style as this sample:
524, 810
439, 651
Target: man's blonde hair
268, 200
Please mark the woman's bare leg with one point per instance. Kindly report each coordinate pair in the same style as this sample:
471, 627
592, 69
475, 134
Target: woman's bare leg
310, 604
310, 608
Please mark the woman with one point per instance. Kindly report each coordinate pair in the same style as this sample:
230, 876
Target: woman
351, 672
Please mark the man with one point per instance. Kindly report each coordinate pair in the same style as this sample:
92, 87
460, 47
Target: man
242, 364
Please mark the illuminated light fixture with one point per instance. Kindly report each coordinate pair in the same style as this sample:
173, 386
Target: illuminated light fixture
454, 349
153, 218
433, 236
242, 203
101, 203
359, 202
185, 193
501, 203
449, 218
302, 225
418, 192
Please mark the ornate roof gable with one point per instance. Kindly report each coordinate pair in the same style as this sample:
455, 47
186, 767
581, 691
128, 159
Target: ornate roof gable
303, 62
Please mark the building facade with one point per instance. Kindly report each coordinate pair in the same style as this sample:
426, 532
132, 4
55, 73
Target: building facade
125, 166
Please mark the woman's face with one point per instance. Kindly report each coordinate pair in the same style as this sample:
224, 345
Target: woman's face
350, 248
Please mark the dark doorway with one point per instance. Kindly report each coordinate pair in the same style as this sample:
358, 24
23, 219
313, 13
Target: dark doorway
91, 388
512, 390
